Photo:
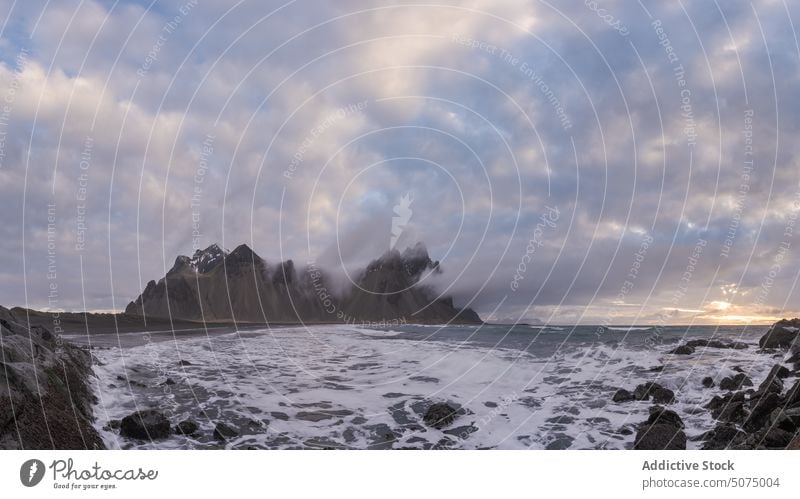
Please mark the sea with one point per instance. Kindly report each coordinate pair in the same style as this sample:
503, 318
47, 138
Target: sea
356, 387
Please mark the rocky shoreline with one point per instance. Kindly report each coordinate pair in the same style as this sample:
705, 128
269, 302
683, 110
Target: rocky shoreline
46, 401
766, 417
45, 393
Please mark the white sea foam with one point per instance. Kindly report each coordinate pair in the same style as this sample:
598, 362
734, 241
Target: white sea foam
345, 386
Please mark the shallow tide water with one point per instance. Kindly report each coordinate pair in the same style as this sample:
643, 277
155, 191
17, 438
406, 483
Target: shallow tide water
341, 386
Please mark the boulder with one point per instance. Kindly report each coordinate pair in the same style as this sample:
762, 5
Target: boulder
760, 410
723, 436
733, 412
622, 395
771, 384
708, 382
659, 415
730, 408
683, 350
663, 395
660, 436
783, 334
187, 427
792, 396
224, 432
776, 438
663, 430
703, 343
779, 371
440, 415
145, 425
785, 419
647, 390
733, 383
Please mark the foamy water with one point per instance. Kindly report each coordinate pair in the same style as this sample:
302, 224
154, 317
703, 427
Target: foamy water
343, 386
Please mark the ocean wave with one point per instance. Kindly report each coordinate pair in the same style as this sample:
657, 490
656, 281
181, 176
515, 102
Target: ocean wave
350, 387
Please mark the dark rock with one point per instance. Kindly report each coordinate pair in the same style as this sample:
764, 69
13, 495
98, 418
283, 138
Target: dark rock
708, 382
772, 384
735, 345
440, 415
786, 419
280, 415
776, 438
645, 390
730, 408
184, 363
723, 436
792, 396
760, 410
46, 400
659, 415
778, 336
660, 437
683, 350
779, 371
187, 427
169, 381
224, 432
114, 424
663, 395
145, 425
735, 383
717, 403
622, 395
733, 412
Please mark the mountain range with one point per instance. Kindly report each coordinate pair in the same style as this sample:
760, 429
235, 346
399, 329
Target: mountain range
214, 285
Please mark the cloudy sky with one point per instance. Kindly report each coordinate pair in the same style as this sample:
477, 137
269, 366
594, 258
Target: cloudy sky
597, 162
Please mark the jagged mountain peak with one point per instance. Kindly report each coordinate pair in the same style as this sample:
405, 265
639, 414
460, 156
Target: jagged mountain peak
241, 286
206, 260
413, 261
241, 257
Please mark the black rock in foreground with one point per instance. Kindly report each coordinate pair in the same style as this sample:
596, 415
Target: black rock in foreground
663, 430
145, 425
783, 334
45, 399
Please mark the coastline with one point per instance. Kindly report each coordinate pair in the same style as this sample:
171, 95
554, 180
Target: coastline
756, 413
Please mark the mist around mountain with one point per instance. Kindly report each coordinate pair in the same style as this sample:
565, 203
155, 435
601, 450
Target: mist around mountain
214, 285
